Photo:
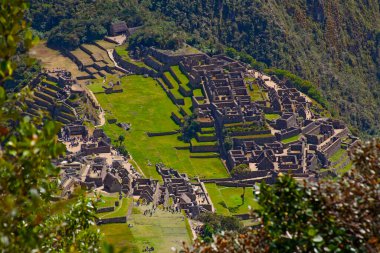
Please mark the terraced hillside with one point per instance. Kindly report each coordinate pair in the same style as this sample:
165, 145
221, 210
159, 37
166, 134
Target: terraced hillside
50, 97
94, 60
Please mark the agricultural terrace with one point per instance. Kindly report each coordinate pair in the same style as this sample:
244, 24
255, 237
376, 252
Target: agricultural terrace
53, 59
162, 231
146, 106
272, 116
182, 78
120, 210
228, 200
124, 53
106, 44
291, 139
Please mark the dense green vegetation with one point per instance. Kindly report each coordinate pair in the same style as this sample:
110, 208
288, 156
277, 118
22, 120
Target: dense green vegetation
214, 223
160, 34
240, 169
67, 24
333, 44
31, 221
70, 23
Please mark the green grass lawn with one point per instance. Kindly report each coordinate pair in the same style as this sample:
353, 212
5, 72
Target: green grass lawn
345, 168
291, 139
256, 94
123, 52
198, 93
337, 155
182, 78
270, 116
146, 106
228, 201
120, 210
162, 231
171, 80
194, 142
106, 201
82, 56
187, 106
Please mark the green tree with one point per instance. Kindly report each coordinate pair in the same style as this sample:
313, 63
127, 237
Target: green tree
29, 219
121, 139
189, 128
12, 32
240, 169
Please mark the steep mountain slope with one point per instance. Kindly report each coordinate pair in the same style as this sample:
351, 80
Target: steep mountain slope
334, 43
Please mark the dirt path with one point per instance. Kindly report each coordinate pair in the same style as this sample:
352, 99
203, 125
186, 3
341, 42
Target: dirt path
102, 118
110, 55
92, 96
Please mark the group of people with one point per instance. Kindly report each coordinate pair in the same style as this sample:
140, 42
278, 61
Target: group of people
148, 249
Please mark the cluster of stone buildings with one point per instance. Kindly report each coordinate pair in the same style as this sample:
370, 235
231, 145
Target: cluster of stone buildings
91, 164
298, 140
95, 164
226, 98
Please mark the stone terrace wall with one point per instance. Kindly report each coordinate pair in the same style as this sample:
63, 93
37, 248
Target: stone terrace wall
264, 140
334, 147
201, 149
122, 219
105, 209
132, 67
150, 134
289, 134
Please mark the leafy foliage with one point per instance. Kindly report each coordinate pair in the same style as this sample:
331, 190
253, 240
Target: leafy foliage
28, 220
239, 169
69, 23
244, 57
189, 128
163, 35
13, 32
214, 223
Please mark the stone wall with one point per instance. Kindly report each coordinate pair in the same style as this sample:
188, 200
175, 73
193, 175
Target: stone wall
154, 64
258, 140
288, 134
178, 101
150, 134
105, 209
201, 138
122, 219
132, 67
96, 150
176, 119
201, 149
252, 132
334, 147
